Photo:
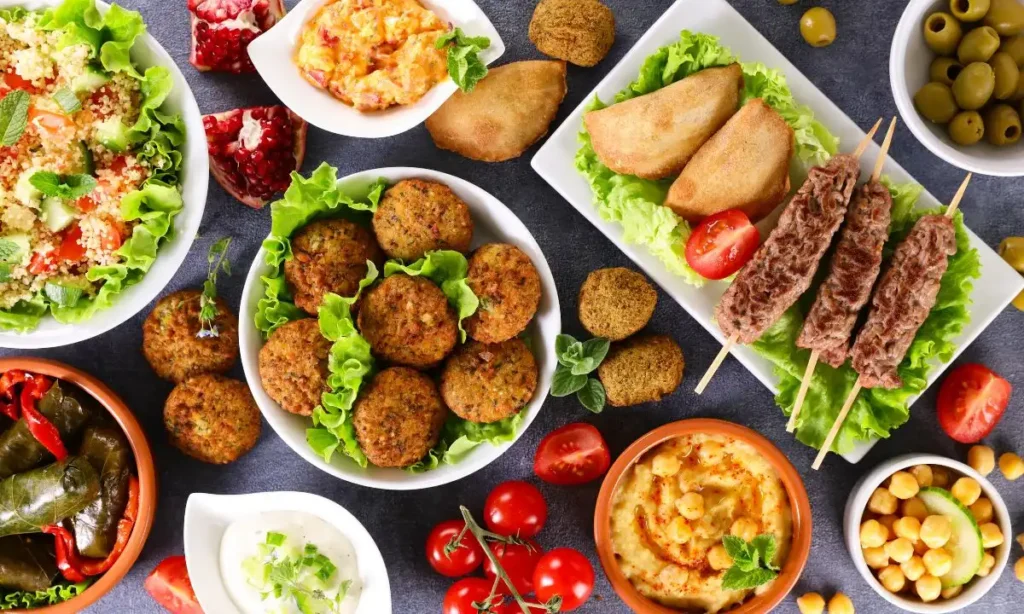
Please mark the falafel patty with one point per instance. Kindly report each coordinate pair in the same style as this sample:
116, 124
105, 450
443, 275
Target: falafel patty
508, 286
417, 216
329, 256
487, 382
641, 370
293, 366
171, 345
212, 418
398, 417
408, 321
615, 303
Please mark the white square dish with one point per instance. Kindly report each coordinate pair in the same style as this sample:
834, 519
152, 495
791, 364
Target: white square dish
272, 54
554, 162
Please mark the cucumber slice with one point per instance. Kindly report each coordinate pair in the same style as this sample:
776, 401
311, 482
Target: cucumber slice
55, 214
964, 544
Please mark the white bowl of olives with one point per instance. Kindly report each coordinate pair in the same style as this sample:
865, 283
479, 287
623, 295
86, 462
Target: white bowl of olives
928, 533
955, 71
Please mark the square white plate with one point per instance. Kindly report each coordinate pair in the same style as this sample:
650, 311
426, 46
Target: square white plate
554, 162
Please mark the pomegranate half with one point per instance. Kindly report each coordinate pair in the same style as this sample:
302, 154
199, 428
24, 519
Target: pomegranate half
223, 29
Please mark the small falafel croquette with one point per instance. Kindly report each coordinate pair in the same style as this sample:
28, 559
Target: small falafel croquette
329, 256
577, 31
212, 418
487, 382
616, 303
416, 216
408, 321
171, 344
293, 366
508, 286
641, 370
398, 417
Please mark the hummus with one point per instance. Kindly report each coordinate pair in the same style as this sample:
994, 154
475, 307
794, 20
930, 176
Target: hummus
373, 54
672, 566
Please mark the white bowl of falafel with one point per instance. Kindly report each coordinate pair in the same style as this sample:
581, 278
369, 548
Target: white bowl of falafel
397, 329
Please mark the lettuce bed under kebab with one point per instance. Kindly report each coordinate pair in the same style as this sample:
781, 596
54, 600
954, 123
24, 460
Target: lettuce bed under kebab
350, 363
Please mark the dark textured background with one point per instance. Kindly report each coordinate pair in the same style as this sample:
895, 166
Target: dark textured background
853, 72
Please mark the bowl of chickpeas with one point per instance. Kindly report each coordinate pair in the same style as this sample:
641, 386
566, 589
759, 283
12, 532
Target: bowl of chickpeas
955, 68
928, 533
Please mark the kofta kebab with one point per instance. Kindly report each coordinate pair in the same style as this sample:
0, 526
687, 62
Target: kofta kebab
785, 266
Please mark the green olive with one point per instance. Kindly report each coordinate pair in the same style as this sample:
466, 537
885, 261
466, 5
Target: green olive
1007, 75
1006, 16
1012, 251
1015, 47
818, 27
944, 70
788, 2
978, 45
973, 86
942, 33
1002, 125
966, 128
935, 102
1019, 94
969, 10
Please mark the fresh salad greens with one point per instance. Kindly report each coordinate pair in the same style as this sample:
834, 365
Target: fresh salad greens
753, 562
576, 361
464, 64
217, 261
304, 578
29, 600
636, 204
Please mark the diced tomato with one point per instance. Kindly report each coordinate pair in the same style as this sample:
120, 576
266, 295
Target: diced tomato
71, 248
972, 399
119, 164
14, 81
85, 204
41, 262
50, 122
721, 244
110, 239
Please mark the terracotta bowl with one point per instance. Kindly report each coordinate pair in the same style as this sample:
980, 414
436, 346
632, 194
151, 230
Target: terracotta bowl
799, 503
144, 470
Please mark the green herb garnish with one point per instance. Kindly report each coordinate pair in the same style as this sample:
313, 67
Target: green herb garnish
61, 295
13, 117
66, 187
752, 562
576, 361
9, 250
301, 577
464, 64
217, 260
67, 100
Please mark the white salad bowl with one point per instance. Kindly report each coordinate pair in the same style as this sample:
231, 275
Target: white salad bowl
909, 59
207, 517
195, 177
858, 502
493, 222
273, 56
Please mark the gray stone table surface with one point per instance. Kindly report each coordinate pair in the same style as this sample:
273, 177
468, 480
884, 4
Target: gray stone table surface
853, 72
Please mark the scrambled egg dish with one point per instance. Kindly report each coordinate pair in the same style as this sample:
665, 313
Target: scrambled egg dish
373, 54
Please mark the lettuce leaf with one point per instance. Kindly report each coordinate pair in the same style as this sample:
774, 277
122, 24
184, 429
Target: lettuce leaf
635, 203
111, 36
30, 600
459, 437
876, 412
447, 269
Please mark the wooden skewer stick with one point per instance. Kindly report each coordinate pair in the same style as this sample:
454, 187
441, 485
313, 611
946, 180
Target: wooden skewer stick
717, 362
838, 424
958, 196
868, 138
880, 162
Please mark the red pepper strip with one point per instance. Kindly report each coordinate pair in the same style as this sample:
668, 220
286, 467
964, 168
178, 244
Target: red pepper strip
10, 410
39, 385
94, 567
68, 561
42, 429
9, 380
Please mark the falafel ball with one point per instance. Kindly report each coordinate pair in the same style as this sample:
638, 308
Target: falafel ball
615, 303
398, 418
417, 216
329, 256
408, 321
577, 31
487, 382
641, 370
171, 341
293, 366
508, 286
212, 418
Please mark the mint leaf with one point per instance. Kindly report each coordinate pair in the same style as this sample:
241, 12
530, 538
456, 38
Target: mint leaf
67, 100
596, 348
67, 187
464, 64
13, 117
9, 250
564, 383
5, 272
736, 548
562, 345
736, 579
765, 546
62, 296
592, 396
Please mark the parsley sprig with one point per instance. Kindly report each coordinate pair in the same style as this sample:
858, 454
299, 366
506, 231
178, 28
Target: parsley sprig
576, 361
752, 562
217, 260
464, 63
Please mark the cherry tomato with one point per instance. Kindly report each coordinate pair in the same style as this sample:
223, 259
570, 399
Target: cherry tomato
71, 248
721, 244
515, 508
463, 594
972, 399
518, 562
574, 454
169, 586
509, 606
565, 572
459, 562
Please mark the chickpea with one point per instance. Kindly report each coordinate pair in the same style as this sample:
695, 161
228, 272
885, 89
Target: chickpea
679, 530
900, 549
876, 558
873, 534
665, 465
923, 474
1018, 569
1020, 540
938, 562
982, 510
691, 506
915, 508
953, 591
892, 579
928, 588
935, 531
966, 490
882, 502
920, 548
908, 527
982, 459
711, 452
940, 477
840, 604
987, 563
718, 558
914, 568
888, 521
811, 603
1011, 465
991, 535
903, 485
744, 528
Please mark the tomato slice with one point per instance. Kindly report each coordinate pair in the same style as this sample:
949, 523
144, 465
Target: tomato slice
721, 244
972, 399
71, 248
571, 455
170, 586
